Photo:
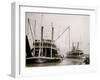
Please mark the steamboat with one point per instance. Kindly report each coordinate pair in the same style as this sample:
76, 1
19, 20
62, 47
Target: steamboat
44, 50
77, 55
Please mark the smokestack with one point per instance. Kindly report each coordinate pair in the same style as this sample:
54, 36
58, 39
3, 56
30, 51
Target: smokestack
52, 33
73, 47
78, 45
42, 33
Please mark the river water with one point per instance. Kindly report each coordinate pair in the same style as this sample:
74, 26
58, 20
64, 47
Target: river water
63, 62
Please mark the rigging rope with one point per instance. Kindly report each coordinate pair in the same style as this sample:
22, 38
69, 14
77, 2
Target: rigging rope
62, 33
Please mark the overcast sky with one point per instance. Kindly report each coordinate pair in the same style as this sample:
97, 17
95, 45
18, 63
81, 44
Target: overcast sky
79, 29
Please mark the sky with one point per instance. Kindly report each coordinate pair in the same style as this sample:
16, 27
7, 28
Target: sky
79, 29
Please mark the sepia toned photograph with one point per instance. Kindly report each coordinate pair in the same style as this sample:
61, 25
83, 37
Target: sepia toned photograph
55, 39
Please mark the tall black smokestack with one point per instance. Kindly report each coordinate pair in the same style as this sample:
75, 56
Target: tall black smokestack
52, 33
42, 33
